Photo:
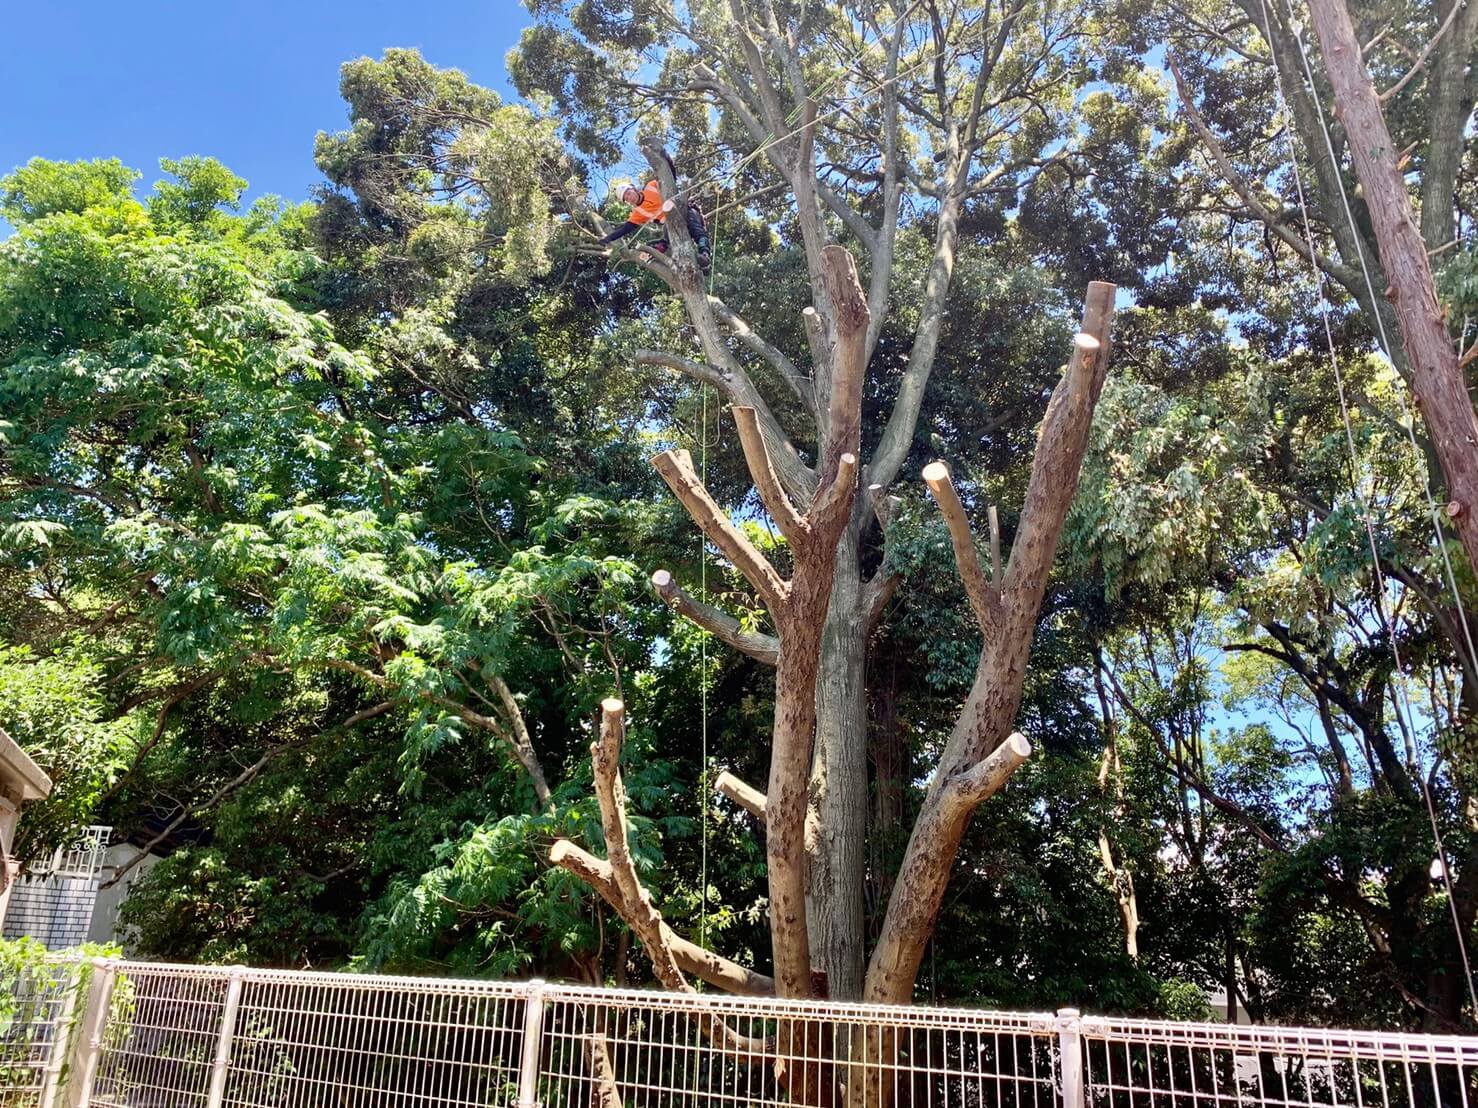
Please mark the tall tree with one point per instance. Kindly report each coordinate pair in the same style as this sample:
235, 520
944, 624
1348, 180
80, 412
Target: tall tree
881, 130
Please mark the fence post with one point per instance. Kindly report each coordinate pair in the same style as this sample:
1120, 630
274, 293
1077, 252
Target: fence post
1070, 1056
222, 1062
61, 1037
89, 1037
533, 1028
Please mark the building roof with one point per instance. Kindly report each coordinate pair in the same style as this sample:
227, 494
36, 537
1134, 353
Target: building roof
18, 773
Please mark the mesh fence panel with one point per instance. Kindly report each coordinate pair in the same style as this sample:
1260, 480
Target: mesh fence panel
204, 1037
318, 1039
1128, 1063
34, 1018
653, 1050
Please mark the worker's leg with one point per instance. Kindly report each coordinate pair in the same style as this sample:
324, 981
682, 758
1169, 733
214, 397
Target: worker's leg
699, 234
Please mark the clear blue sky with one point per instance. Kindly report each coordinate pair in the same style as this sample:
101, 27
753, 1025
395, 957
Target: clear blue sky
247, 81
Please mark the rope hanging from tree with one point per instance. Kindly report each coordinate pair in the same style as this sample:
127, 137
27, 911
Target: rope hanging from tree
1404, 706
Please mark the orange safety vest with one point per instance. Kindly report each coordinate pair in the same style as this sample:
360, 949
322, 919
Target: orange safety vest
650, 208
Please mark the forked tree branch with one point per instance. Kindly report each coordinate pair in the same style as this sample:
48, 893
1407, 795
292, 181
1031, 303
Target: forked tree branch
691, 958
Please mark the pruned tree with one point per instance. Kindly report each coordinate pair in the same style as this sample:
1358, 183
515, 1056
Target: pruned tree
982, 751
931, 111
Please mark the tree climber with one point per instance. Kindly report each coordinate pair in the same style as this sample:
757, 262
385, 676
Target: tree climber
646, 207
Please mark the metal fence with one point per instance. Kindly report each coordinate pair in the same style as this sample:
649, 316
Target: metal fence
138, 1035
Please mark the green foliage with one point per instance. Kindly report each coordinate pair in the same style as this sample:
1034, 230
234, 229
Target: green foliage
54, 707
284, 492
41, 188
200, 187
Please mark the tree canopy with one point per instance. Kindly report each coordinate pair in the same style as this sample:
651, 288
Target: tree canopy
326, 526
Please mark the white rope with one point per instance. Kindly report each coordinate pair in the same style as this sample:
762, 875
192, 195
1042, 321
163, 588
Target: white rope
1321, 285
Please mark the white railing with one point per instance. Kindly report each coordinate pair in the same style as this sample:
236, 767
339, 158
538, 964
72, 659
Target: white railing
140, 1035
82, 857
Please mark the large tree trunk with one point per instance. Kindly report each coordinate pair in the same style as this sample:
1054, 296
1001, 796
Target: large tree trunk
836, 905
1435, 377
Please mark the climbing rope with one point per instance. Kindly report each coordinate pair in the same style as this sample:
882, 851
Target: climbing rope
703, 634
1324, 303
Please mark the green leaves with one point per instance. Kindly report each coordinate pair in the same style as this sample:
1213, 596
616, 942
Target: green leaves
41, 188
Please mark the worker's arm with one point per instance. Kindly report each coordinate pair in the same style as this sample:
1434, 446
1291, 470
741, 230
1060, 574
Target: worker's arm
627, 228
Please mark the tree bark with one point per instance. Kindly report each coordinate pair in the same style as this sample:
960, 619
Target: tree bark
1436, 378
836, 904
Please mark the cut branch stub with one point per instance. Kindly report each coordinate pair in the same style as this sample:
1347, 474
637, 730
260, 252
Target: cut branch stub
984, 779
848, 356
749, 798
722, 626
676, 468
985, 600
835, 500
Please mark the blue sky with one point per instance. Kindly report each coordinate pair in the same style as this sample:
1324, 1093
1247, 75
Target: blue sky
247, 81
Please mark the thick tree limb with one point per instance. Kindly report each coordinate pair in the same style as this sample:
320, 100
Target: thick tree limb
722, 626
878, 592
698, 371
691, 958
1439, 385
1061, 443
676, 468
757, 455
843, 431
636, 905
985, 598
980, 751
752, 801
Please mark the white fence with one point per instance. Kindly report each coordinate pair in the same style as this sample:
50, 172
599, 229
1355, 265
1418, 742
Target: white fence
138, 1035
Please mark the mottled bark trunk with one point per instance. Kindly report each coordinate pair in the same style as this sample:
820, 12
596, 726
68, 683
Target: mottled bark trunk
836, 905
1435, 377
889, 757
981, 743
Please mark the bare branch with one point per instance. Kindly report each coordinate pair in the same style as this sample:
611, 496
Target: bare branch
724, 627
793, 378
1061, 443
836, 499
995, 548
698, 371
523, 745
757, 456
1243, 188
690, 957
1426, 52
676, 468
985, 600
